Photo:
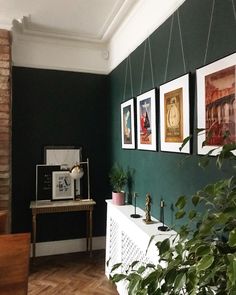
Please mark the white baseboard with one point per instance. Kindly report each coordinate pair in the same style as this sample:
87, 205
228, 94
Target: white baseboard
67, 246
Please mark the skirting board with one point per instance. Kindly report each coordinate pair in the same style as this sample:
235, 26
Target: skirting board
67, 246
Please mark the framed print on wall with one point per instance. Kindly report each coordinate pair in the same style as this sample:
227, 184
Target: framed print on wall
146, 120
62, 186
216, 105
174, 115
127, 124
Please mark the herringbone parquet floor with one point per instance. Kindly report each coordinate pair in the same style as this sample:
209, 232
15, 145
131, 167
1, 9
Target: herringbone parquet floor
70, 274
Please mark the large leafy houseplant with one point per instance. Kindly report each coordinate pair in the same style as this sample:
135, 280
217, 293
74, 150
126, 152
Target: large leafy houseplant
201, 259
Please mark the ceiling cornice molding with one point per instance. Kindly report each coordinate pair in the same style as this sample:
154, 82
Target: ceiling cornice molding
123, 7
65, 53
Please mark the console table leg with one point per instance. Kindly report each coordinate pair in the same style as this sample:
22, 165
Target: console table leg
34, 234
87, 231
90, 230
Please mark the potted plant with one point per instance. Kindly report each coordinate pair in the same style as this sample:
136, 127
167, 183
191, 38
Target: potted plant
202, 257
118, 179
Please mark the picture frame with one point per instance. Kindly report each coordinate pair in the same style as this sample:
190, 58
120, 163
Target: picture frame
63, 186
127, 124
175, 115
216, 105
44, 181
66, 157
146, 121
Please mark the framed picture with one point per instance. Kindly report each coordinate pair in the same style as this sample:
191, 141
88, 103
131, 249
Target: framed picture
66, 157
174, 115
62, 185
44, 181
216, 105
146, 120
127, 124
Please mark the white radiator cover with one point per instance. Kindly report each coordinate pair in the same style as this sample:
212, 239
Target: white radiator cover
127, 239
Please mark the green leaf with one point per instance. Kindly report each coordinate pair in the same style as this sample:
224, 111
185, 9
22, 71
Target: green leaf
185, 141
231, 270
192, 214
180, 214
115, 266
180, 281
195, 200
141, 269
232, 238
205, 262
118, 277
181, 202
171, 276
164, 246
203, 250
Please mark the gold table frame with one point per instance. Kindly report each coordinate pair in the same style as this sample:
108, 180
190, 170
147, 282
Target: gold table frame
43, 207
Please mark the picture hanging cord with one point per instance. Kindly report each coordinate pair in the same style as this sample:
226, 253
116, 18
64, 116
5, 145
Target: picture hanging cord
168, 50
131, 79
128, 63
209, 31
234, 10
150, 57
126, 68
181, 40
144, 54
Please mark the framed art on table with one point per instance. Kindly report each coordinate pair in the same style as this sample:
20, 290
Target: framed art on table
127, 124
174, 115
44, 181
63, 186
216, 105
146, 120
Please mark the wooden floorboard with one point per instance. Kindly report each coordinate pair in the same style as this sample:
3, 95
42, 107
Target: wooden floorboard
66, 274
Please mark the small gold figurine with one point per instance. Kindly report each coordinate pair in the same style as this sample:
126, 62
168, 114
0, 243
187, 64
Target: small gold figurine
148, 219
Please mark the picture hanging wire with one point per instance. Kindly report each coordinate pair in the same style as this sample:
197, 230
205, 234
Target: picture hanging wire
128, 64
210, 26
126, 68
209, 32
168, 50
150, 58
181, 41
234, 10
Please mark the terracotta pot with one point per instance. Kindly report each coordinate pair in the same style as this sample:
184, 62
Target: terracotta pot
118, 198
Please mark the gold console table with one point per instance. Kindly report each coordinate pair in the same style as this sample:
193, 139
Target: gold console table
42, 207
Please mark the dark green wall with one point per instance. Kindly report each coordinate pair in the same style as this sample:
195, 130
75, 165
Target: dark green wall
159, 172
57, 108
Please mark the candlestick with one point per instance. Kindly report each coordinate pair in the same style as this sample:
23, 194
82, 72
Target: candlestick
135, 215
162, 217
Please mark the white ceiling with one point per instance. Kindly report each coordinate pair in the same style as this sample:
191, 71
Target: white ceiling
90, 20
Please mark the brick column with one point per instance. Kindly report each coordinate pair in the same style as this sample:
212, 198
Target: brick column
5, 120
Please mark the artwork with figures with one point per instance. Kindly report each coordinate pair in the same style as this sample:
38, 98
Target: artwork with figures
173, 102
146, 117
216, 105
127, 124
220, 106
174, 115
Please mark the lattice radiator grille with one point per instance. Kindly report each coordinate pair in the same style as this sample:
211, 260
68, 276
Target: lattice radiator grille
114, 238
130, 252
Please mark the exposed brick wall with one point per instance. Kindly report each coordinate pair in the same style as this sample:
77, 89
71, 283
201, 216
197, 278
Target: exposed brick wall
5, 119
